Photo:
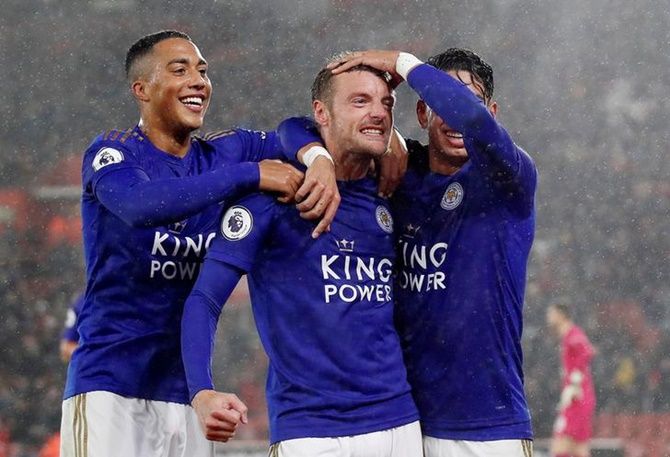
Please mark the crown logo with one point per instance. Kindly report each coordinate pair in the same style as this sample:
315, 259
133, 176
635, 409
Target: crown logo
177, 227
345, 245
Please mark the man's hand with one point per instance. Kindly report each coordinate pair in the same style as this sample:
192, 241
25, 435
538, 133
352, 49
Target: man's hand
392, 165
380, 59
219, 414
318, 197
281, 178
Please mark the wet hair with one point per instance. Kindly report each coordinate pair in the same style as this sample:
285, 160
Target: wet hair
322, 87
459, 59
145, 45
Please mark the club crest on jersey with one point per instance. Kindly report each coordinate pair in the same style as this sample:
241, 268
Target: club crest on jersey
384, 219
236, 223
452, 197
106, 156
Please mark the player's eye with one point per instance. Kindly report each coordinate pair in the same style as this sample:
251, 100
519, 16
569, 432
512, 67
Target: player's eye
359, 101
203, 71
179, 71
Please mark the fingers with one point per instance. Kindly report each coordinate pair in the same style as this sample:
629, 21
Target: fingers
237, 405
346, 64
313, 191
324, 224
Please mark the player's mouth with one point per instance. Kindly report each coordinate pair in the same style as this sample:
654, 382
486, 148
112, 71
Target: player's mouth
454, 139
373, 132
195, 103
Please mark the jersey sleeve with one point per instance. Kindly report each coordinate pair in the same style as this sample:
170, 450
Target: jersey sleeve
247, 145
242, 231
494, 151
244, 227
116, 176
201, 314
296, 132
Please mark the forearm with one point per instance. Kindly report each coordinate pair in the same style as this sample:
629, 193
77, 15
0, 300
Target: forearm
142, 202
464, 112
295, 133
201, 313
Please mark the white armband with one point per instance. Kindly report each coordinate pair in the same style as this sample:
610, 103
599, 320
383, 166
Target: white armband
314, 152
405, 63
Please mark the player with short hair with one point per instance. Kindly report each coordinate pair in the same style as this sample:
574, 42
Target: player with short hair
465, 223
152, 195
323, 308
573, 428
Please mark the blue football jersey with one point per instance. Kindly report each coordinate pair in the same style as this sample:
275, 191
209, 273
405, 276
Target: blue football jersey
324, 312
462, 248
138, 277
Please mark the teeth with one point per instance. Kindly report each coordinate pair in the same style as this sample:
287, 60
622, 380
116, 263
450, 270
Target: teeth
454, 135
371, 131
192, 101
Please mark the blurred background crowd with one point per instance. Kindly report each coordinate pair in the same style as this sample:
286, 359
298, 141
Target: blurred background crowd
582, 86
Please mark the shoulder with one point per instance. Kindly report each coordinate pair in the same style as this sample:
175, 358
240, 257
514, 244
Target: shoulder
234, 134
113, 146
111, 150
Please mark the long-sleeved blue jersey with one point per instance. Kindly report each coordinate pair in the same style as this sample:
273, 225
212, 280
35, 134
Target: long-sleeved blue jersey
463, 244
323, 309
148, 218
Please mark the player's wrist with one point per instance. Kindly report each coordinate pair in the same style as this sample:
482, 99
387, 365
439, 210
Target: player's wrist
405, 63
313, 153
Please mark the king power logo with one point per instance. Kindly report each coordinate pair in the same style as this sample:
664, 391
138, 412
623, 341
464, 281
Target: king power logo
178, 257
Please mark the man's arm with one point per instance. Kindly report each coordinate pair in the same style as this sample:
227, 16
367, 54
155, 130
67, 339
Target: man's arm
142, 202
459, 107
219, 413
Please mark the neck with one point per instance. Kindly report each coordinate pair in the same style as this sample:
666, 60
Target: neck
174, 143
444, 165
564, 328
349, 167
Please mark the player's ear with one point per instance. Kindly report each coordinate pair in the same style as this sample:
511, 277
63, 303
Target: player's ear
422, 113
493, 108
321, 113
139, 90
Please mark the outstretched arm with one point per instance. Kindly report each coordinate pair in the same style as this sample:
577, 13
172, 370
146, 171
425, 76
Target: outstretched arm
141, 202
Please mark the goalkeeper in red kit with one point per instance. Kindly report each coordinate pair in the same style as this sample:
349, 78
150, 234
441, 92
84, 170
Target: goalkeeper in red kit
573, 426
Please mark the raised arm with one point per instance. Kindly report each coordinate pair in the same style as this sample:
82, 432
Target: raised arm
458, 106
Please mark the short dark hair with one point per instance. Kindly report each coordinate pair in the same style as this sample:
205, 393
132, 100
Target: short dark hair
563, 308
144, 45
459, 59
322, 85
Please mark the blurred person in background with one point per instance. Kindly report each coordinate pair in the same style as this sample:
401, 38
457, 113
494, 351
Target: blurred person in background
573, 427
70, 336
152, 195
337, 385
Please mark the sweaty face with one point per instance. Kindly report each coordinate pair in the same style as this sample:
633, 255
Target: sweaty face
361, 113
442, 137
178, 88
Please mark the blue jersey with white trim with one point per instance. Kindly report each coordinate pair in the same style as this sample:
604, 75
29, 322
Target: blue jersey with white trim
463, 244
324, 312
140, 270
